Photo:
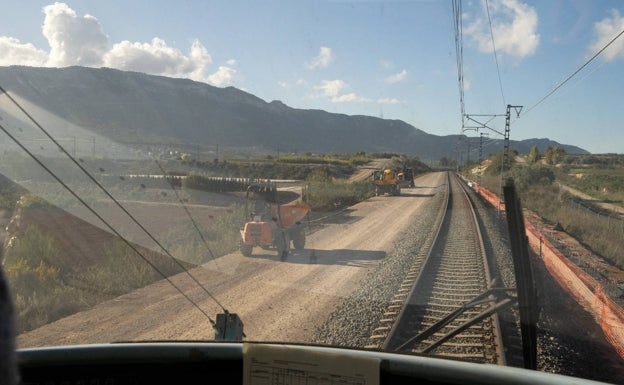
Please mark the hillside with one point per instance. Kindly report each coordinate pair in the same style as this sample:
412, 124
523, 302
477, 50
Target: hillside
136, 108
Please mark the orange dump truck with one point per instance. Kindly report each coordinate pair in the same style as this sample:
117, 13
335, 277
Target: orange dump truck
275, 228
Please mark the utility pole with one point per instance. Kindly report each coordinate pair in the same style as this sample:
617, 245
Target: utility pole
506, 165
505, 156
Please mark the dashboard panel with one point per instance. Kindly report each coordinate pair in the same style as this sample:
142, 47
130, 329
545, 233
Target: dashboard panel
217, 362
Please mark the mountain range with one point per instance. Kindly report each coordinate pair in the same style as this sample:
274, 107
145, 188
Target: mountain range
138, 109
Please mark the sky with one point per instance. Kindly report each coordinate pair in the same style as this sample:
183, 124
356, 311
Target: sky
396, 59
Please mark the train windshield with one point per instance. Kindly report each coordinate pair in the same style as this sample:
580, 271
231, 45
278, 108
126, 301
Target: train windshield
435, 178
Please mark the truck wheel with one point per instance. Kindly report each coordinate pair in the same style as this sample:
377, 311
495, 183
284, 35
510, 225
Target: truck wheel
282, 242
246, 249
298, 240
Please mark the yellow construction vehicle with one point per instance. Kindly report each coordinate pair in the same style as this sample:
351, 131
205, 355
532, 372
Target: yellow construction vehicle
386, 182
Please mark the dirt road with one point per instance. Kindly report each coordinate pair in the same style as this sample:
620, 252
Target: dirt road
276, 300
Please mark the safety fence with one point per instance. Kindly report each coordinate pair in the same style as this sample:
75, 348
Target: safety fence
584, 288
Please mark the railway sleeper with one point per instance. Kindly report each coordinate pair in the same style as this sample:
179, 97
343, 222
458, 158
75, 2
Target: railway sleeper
475, 356
468, 291
463, 345
445, 312
391, 314
448, 305
430, 321
438, 314
476, 333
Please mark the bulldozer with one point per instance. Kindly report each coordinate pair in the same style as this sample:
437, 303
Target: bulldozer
272, 226
386, 182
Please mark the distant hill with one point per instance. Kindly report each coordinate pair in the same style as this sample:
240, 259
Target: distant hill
133, 108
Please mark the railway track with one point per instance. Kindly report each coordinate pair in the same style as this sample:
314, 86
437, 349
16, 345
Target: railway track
444, 306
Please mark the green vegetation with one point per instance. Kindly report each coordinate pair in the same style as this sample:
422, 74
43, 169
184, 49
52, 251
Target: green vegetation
323, 193
536, 175
220, 237
121, 271
8, 199
602, 178
9, 194
43, 290
271, 168
40, 295
603, 183
553, 155
496, 162
534, 155
352, 160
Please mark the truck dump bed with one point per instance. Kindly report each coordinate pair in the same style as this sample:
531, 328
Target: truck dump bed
291, 213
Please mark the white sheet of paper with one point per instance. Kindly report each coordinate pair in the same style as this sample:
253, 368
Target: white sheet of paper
288, 365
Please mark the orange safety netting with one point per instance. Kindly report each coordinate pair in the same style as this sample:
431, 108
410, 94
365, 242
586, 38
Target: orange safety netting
584, 288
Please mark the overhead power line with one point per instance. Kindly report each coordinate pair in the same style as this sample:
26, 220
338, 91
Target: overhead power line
500, 82
576, 72
459, 55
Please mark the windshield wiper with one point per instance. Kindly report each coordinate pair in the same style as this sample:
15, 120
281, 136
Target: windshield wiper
480, 299
527, 301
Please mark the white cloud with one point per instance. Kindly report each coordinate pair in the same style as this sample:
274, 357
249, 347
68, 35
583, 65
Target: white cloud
80, 40
322, 60
397, 77
388, 101
514, 26
606, 30
333, 90
14, 52
73, 40
158, 58
349, 98
224, 75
